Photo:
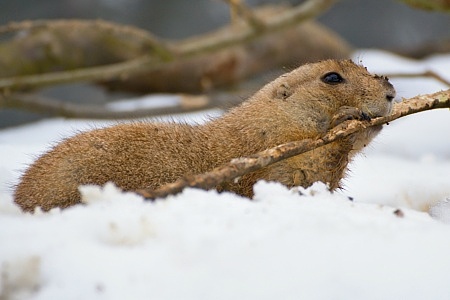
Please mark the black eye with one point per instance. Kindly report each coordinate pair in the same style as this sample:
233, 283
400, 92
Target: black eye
332, 78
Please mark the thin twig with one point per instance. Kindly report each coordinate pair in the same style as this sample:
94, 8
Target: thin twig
79, 75
240, 9
428, 73
48, 106
241, 166
305, 11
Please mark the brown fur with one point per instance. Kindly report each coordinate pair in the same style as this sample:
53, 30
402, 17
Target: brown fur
295, 106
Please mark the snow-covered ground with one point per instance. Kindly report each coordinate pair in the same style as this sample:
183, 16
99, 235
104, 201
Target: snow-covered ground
286, 244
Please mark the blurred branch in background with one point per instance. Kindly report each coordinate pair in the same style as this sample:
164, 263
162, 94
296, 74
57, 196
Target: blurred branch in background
437, 46
42, 53
184, 103
430, 48
437, 5
442, 46
47, 53
428, 74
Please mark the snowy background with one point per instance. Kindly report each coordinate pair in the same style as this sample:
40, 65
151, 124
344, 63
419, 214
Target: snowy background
286, 244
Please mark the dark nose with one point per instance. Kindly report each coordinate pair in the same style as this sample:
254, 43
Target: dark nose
390, 94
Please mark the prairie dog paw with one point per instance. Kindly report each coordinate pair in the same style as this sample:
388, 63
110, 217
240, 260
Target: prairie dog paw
346, 113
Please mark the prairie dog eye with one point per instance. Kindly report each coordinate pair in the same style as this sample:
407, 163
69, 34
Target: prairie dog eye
332, 78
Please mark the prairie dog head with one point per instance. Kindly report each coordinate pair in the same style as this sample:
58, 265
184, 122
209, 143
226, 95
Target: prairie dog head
324, 87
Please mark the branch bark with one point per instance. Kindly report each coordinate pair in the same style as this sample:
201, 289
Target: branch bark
241, 166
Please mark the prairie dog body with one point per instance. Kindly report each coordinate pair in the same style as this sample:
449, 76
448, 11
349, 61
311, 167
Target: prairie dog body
301, 104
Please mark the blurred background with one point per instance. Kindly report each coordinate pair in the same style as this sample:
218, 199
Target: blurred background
384, 24
368, 23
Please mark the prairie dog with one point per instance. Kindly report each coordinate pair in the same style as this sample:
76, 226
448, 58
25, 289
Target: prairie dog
303, 103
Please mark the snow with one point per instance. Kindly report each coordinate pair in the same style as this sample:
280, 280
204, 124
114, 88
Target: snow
143, 102
285, 244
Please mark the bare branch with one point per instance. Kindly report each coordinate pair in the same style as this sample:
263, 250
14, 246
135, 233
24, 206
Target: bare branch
145, 37
305, 11
240, 9
432, 5
154, 57
429, 48
241, 166
430, 74
78, 75
48, 106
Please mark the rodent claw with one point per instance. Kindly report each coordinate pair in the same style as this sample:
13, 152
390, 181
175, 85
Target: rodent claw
347, 113
365, 117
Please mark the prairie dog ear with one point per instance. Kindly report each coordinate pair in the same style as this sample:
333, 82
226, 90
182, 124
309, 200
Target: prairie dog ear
283, 91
